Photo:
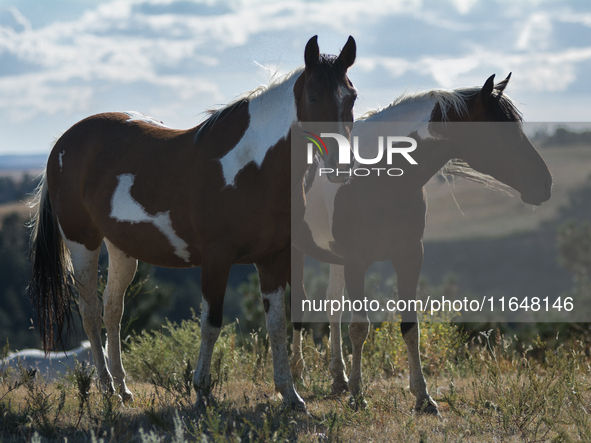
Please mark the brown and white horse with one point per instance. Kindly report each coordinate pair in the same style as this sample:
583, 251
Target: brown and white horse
378, 218
211, 196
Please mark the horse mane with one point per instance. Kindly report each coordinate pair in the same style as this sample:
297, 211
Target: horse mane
216, 115
446, 99
323, 66
501, 107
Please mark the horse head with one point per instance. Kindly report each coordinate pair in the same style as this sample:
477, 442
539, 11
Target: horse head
324, 93
490, 138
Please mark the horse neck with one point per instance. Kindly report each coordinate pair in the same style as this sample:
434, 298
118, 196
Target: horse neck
401, 119
270, 116
409, 117
273, 111
411, 114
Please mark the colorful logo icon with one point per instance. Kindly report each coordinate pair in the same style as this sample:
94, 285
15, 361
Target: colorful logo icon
317, 141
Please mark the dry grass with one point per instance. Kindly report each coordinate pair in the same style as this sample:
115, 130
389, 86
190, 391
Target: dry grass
486, 392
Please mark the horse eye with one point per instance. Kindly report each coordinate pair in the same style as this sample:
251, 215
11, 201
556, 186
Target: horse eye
312, 99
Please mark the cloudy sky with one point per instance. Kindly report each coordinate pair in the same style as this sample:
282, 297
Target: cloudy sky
63, 60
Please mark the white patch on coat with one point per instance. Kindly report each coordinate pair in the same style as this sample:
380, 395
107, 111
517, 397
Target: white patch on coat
271, 116
125, 209
319, 210
78, 252
341, 94
416, 109
135, 116
408, 116
60, 160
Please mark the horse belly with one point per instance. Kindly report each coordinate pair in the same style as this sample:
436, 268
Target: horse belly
162, 236
151, 244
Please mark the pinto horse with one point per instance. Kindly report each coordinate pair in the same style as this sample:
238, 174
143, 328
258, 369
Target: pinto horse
379, 218
211, 196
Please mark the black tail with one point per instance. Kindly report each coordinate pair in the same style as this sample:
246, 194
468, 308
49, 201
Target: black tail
49, 288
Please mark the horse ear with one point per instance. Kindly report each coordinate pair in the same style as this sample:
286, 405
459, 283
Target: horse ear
500, 86
312, 52
348, 53
488, 87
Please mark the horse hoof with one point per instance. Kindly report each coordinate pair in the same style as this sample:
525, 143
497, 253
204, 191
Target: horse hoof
204, 400
299, 406
357, 402
339, 387
106, 387
127, 396
428, 408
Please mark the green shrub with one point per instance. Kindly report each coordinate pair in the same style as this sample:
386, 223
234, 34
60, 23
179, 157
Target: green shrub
170, 349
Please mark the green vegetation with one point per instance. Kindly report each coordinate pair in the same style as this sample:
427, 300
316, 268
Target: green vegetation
486, 392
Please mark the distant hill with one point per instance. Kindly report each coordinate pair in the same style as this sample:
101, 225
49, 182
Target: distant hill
464, 210
17, 162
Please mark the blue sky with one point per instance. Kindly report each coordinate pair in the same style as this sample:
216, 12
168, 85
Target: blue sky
63, 60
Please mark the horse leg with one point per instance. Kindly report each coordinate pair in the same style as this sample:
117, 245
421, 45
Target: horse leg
408, 269
214, 279
298, 294
336, 287
85, 264
273, 274
358, 328
122, 268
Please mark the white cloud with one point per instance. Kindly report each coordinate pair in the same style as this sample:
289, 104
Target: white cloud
173, 56
464, 6
539, 71
536, 32
11, 20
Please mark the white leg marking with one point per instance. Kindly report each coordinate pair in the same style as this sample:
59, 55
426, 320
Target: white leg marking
297, 364
209, 335
336, 287
85, 267
358, 330
125, 209
121, 271
271, 115
276, 328
418, 386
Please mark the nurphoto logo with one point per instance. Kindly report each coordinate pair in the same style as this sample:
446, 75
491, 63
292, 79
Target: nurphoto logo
394, 145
